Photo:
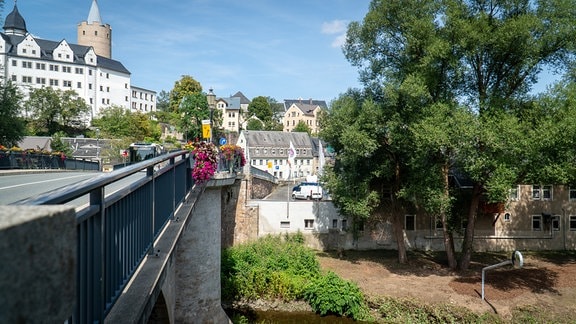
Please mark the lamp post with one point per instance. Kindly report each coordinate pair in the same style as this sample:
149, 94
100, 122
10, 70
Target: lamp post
211, 98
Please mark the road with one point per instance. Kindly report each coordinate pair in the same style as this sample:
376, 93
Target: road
16, 187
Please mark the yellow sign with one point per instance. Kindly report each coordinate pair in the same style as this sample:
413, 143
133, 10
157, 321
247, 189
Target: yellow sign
206, 129
269, 164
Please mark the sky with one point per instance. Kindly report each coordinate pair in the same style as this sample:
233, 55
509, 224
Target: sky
277, 48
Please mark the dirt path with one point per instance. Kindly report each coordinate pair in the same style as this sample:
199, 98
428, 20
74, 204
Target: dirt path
541, 282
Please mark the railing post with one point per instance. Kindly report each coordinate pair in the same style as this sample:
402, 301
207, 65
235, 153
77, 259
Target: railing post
150, 173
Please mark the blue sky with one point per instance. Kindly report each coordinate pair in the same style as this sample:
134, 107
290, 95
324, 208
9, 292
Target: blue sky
277, 48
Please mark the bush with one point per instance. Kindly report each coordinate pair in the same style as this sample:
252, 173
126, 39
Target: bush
272, 267
329, 294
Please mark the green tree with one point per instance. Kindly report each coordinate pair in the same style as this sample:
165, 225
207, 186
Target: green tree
414, 55
52, 110
260, 107
193, 109
254, 124
117, 122
184, 87
57, 145
301, 127
12, 127
163, 101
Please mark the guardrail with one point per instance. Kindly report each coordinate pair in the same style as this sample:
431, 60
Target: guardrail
117, 231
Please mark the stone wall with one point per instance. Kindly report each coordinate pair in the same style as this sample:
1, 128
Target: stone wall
261, 188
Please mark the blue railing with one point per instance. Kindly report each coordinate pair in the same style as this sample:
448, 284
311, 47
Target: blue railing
116, 231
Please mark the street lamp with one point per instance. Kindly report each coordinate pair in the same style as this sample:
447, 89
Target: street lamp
211, 98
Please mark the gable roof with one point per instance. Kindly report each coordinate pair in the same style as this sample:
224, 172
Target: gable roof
47, 49
306, 109
289, 102
243, 99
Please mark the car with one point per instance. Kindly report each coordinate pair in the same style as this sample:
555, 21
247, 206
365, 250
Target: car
307, 190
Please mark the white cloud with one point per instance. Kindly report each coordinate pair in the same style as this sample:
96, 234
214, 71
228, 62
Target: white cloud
339, 41
334, 27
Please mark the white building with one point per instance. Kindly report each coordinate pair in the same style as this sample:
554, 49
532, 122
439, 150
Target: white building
268, 151
232, 109
30, 62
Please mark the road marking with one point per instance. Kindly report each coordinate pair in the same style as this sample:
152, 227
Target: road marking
44, 181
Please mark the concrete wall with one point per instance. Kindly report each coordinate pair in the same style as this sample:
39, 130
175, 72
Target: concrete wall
37, 271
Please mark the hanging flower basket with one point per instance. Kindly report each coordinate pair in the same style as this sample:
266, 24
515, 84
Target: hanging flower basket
205, 156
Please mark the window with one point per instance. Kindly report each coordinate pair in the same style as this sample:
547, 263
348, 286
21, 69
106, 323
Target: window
514, 193
308, 223
284, 224
79, 85
507, 217
439, 226
572, 193
41, 80
90, 86
26, 79
556, 223
89, 72
344, 224
14, 78
572, 222
409, 222
66, 69
334, 223
536, 222
40, 66
53, 67
67, 83
79, 71
541, 192
26, 64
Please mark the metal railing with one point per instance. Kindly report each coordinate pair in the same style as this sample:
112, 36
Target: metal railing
26, 160
116, 231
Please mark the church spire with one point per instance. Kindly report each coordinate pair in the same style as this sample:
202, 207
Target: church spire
94, 14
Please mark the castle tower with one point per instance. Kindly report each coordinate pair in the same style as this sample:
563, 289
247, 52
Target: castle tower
14, 23
95, 33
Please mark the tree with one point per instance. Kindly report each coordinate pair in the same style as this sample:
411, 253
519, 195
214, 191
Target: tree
52, 110
302, 127
182, 88
193, 109
117, 122
163, 101
254, 124
260, 107
416, 56
12, 127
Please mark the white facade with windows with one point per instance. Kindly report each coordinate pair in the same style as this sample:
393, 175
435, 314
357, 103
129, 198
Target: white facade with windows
32, 63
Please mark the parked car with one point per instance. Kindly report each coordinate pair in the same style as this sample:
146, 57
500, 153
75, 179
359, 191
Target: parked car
308, 190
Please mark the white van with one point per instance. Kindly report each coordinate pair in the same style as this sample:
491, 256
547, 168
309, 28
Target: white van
307, 190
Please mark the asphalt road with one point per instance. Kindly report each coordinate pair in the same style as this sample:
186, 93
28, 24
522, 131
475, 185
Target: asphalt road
20, 186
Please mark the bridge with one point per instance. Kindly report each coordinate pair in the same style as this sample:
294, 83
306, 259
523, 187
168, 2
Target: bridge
149, 252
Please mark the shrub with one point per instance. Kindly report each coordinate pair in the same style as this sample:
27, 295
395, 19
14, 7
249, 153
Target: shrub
329, 294
271, 267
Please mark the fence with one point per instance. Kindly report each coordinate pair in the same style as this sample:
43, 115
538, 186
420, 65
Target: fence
26, 160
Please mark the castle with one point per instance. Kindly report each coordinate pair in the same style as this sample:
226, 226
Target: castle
87, 67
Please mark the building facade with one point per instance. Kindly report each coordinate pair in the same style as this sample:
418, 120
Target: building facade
307, 111
231, 110
268, 151
88, 69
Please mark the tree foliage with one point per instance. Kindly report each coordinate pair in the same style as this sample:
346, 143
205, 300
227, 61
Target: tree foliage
117, 122
12, 127
193, 109
51, 110
449, 83
260, 107
184, 87
301, 127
